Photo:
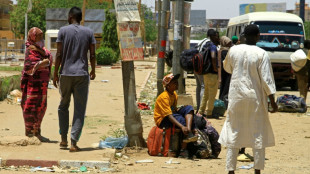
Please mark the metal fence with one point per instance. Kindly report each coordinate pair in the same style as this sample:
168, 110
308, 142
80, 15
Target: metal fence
12, 50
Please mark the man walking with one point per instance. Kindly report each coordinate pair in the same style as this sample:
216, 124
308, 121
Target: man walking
247, 123
73, 43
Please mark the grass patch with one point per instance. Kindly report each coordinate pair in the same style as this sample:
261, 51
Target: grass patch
93, 122
115, 133
8, 84
11, 68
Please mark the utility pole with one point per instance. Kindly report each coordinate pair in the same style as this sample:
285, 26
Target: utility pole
177, 43
165, 14
83, 12
132, 118
142, 26
158, 24
302, 10
29, 8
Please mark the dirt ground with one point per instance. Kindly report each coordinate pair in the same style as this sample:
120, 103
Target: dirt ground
105, 111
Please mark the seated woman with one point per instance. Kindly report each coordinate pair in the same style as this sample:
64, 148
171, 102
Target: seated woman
34, 83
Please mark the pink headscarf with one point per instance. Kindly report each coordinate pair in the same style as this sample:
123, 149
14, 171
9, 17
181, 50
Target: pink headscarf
32, 34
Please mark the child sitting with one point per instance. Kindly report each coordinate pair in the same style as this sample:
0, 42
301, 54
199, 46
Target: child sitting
166, 113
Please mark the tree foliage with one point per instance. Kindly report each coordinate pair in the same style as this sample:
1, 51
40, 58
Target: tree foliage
36, 18
109, 32
150, 24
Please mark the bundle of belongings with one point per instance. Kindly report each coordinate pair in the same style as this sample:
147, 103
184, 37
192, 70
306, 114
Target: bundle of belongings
167, 142
291, 103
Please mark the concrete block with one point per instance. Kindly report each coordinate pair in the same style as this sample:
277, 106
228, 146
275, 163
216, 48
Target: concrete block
73, 163
185, 99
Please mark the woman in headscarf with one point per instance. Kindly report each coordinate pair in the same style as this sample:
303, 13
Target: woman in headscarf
224, 77
34, 83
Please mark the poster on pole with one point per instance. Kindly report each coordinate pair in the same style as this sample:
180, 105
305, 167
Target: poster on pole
128, 27
127, 11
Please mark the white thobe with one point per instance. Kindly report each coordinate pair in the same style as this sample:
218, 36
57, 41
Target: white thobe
247, 123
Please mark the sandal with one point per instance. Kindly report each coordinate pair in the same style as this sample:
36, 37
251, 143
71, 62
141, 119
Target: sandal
43, 139
243, 158
74, 149
63, 144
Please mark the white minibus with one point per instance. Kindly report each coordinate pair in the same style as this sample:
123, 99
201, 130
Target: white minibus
280, 35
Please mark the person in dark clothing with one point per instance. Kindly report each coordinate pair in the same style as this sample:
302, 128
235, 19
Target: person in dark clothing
224, 77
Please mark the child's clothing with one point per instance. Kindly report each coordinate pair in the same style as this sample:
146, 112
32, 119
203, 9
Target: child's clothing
166, 104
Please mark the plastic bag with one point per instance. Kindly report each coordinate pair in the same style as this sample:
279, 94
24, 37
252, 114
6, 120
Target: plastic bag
112, 142
219, 108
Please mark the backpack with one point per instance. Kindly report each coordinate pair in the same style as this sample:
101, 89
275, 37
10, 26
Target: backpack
202, 61
186, 60
213, 137
202, 148
158, 141
291, 103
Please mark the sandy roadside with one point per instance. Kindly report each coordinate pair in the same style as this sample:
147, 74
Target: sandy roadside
291, 155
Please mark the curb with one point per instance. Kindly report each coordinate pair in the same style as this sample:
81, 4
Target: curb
72, 163
51, 163
25, 162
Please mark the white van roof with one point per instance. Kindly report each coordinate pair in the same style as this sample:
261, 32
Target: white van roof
265, 16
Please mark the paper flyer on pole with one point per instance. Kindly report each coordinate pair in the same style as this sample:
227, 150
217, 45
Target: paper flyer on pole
129, 34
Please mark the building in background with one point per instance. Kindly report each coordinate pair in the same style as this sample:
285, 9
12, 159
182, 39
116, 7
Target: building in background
5, 23
58, 17
307, 11
217, 24
198, 22
260, 7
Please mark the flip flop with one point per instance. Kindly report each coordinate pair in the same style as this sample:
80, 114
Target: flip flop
243, 158
74, 149
43, 139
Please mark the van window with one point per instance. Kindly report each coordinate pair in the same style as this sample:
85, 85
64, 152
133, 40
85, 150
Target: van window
280, 34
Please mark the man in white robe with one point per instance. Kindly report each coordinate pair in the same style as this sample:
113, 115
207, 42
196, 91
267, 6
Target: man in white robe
247, 123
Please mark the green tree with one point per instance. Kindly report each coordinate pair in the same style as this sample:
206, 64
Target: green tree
150, 24
36, 18
109, 32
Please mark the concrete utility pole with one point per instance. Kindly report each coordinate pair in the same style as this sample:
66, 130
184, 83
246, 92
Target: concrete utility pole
177, 43
165, 14
302, 10
133, 122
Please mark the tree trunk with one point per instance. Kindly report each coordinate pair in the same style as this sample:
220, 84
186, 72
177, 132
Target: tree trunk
133, 122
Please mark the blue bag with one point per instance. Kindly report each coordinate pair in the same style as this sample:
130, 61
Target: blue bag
219, 108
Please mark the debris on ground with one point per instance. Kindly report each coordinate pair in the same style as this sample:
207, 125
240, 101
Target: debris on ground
170, 161
14, 97
145, 161
247, 166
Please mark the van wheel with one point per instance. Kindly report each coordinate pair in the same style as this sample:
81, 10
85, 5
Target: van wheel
294, 86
